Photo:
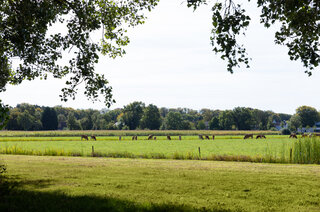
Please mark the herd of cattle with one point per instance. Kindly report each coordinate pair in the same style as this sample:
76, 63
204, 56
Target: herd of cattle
203, 137
294, 135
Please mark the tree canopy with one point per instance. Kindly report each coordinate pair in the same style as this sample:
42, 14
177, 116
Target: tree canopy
25, 24
49, 119
138, 116
308, 115
299, 31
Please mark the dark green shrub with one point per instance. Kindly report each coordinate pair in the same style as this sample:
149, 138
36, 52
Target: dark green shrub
4, 187
285, 131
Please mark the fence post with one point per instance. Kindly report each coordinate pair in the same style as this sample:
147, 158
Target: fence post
92, 153
119, 138
290, 155
199, 152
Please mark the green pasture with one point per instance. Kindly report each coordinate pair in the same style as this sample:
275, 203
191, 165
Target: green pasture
66, 133
274, 146
106, 184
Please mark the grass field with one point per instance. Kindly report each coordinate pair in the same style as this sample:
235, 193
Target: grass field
274, 146
104, 184
275, 149
66, 133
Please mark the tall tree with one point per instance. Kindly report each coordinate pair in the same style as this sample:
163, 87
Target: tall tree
62, 121
242, 118
24, 26
49, 119
72, 122
151, 118
4, 114
25, 120
132, 114
207, 114
214, 123
308, 115
201, 125
226, 120
13, 120
295, 122
173, 121
261, 118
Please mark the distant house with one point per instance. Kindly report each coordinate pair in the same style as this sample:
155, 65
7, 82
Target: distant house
317, 129
206, 123
305, 130
280, 125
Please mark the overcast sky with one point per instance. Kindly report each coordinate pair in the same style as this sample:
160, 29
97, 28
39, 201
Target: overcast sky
169, 63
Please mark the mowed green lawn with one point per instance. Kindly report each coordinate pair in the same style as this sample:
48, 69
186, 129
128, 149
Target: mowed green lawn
104, 184
189, 145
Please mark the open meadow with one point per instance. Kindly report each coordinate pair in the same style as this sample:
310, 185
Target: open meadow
225, 146
109, 174
44, 183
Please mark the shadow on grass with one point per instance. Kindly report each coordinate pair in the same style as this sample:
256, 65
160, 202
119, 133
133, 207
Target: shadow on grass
14, 198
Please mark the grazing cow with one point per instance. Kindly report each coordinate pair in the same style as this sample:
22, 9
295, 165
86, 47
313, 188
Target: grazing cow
150, 137
84, 137
155, 138
260, 136
201, 137
180, 137
248, 136
314, 135
304, 135
168, 137
293, 135
212, 137
207, 137
93, 137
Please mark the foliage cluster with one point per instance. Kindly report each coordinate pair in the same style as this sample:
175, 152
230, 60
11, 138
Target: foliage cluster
6, 135
299, 30
25, 24
285, 131
305, 117
4, 186
137, 115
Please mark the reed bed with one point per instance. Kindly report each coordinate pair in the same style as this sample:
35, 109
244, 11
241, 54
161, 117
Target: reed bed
306, 151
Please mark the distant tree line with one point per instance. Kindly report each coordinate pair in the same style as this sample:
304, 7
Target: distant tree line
137, 115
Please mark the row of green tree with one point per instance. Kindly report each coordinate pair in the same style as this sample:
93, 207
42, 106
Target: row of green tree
137, 115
